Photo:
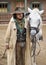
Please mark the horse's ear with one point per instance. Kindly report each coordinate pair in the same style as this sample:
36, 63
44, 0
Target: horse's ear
29, 10
41, 12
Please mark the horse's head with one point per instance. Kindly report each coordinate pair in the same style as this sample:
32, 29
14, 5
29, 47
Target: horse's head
34, 17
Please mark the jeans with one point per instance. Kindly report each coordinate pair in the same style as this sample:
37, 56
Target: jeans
20, 55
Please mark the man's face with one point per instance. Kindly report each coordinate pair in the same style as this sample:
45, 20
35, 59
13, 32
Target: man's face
19, 16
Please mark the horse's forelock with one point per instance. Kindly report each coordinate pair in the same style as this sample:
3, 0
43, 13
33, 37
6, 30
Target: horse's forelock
36, 9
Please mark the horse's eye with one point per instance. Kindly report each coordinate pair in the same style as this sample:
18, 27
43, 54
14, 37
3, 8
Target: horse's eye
29, 18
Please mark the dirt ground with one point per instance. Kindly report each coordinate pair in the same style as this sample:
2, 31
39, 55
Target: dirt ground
41, 58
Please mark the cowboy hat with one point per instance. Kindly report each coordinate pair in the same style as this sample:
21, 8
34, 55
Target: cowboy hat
18, 10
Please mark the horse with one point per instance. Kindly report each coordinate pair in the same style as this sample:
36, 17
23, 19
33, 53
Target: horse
35, 25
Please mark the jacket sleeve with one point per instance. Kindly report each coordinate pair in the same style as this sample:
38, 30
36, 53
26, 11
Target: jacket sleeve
8, 33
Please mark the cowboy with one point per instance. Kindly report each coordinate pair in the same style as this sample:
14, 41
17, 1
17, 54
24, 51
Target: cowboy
15, 39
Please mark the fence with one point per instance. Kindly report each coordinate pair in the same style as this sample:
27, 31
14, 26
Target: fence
5, 17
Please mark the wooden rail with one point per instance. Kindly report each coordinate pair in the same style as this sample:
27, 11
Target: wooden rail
5, 17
